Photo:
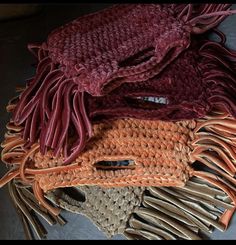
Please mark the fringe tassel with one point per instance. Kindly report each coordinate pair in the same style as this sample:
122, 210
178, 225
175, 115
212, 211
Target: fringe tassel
28, 210
202, 17
218, 69
15, 155
214, 154
214, 145
178, 213
48, 97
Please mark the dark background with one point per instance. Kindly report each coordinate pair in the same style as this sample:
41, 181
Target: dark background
15, 67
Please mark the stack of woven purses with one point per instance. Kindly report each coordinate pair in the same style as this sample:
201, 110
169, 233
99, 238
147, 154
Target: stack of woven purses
129, 120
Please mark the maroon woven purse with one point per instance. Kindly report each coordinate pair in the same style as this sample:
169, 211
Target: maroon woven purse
96, 54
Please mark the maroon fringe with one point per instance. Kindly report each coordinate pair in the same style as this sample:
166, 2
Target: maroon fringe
50, 108
219, 73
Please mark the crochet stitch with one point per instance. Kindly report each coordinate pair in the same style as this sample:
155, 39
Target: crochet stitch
97, 53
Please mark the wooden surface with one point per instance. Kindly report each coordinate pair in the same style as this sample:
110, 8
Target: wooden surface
15, 67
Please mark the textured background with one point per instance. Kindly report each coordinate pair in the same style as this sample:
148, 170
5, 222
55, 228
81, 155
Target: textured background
15, 67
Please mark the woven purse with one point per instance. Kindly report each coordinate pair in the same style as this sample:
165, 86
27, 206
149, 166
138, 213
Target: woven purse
158, 154
189, 212
97, 53
148, 213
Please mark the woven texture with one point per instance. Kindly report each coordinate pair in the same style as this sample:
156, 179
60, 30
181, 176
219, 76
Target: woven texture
109, 209
94, 48
159, 154
108, 52
159, 151
124, 43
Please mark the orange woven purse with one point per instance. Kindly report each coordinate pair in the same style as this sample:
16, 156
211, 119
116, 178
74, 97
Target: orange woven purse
159, 154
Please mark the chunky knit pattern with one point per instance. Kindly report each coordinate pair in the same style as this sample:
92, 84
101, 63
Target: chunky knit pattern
105, 54
136, 212
124, 43
160, 154
159, 151
100, 48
